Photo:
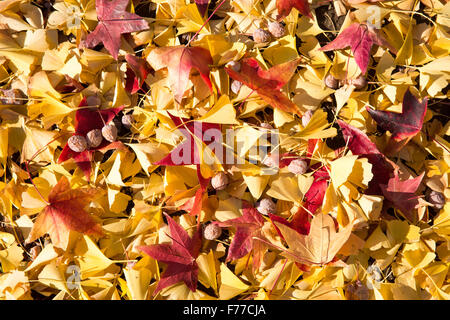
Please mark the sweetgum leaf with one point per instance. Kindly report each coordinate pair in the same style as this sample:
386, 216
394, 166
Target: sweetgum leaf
136, 74
65, 212
360, 144
360, 38
402, 125
402, 194
113, 21
179, 61
285, 6
267, 83
179, 256
247, 226
321, 244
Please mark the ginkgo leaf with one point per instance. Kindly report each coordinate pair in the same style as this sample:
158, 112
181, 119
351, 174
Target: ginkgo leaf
320, 246
113, 21
65, 211
179, 62
267, 83
360, 38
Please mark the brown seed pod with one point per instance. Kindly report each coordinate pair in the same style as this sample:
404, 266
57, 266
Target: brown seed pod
436, 198
212, 231
93, 100
359, 83
12, 96
276, 29
109, 132
236, 86
331, 82
94, 138
234, 65
271, 160
220, 181
77, 143
266, 125
357, 291
266, 206
127, 120
306, 118
375, 273
298, 166
261, 36
34, 252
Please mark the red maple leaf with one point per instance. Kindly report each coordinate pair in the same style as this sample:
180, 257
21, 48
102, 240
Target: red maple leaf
267, 83
179, 61
312, 201
191, 130
85, 121
179, 256
202, 5
402, 194
360, 38
136, 73
113, 21
247, 226
360, 144
285, 6
402, 125
64, 212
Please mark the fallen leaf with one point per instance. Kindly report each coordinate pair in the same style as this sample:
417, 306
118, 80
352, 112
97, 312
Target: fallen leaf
65, 211
179, 62
360, 38
113, 21
267, 83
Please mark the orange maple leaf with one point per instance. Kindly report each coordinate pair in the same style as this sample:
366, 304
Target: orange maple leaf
65, 212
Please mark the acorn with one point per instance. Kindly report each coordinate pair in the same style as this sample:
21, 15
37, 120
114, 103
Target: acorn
234, 65
236, 86
220, 181
306, 118
437, 199
331, 82
94, 138
77, 143
127, 120
109, 132
266, 206
359, 83
261, 36
298, 166
276, 29
212, 231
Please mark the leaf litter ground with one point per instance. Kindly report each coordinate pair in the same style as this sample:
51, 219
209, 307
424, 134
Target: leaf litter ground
224, 150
